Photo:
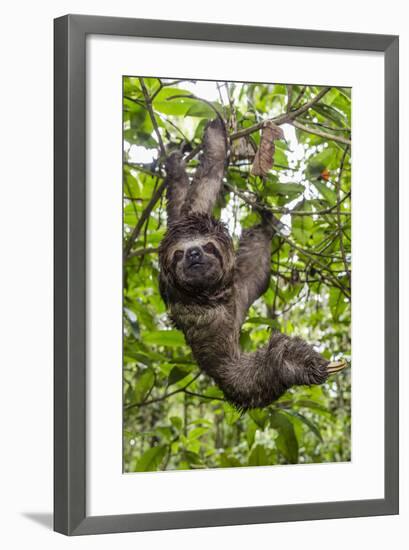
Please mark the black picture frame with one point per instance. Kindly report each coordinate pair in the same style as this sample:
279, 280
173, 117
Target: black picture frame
70, 274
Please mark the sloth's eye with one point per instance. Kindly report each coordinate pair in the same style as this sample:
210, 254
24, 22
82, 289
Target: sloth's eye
178, 255
210, 248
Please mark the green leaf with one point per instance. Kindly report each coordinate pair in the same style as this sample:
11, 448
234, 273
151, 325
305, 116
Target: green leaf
308, 423
196, 433
137, 356
169, 338
166, 432
323, 159
143, 385
213, 391
228, 461
193, 458
232, 414
313, 405
337, 302
260, 417
279, 155
201, 110
259, 456
164, 102
251, 433
302, 228
151, 459
326, 192
177, 374
176, 422
286, 441
330, 113
285, 188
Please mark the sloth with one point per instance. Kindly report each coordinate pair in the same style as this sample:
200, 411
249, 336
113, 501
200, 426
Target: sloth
208, 287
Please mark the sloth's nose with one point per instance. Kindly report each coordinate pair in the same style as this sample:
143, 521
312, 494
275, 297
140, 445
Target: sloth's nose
194, 253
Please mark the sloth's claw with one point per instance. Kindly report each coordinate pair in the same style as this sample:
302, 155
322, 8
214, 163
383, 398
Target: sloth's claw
336, 366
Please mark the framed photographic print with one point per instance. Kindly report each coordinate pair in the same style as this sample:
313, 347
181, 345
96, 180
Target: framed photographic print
226, 275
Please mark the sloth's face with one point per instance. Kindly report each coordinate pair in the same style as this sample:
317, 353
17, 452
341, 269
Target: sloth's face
197, 263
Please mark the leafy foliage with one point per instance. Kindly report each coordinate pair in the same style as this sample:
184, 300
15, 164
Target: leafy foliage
174, 416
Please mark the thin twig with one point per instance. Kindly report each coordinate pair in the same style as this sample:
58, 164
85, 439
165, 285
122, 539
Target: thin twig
341, 240
134, 100
284, 210
289, 96
194, 394
162, 398
300, 96
326, 126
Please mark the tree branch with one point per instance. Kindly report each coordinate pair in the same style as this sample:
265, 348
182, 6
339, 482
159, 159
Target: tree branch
281, 119
144, 217
325, 135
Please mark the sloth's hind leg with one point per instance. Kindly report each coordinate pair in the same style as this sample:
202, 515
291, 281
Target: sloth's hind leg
297, 363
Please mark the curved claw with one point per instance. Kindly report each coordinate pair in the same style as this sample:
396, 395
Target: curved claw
336, 366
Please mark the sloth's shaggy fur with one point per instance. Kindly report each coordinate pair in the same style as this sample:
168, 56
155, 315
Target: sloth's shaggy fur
208, 287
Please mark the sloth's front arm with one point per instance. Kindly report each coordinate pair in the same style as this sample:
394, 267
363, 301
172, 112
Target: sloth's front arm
253, 266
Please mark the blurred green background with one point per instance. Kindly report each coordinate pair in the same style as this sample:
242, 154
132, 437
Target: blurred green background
174, 416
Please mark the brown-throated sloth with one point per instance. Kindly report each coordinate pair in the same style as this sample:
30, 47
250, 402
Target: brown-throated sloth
208, 287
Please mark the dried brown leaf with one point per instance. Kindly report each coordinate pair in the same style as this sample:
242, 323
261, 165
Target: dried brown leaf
263, 161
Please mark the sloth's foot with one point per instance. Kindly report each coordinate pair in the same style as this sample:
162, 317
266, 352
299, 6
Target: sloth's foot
336, 366
318, 369
298, 362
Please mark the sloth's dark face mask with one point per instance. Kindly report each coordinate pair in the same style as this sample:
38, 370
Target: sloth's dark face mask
198, 264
